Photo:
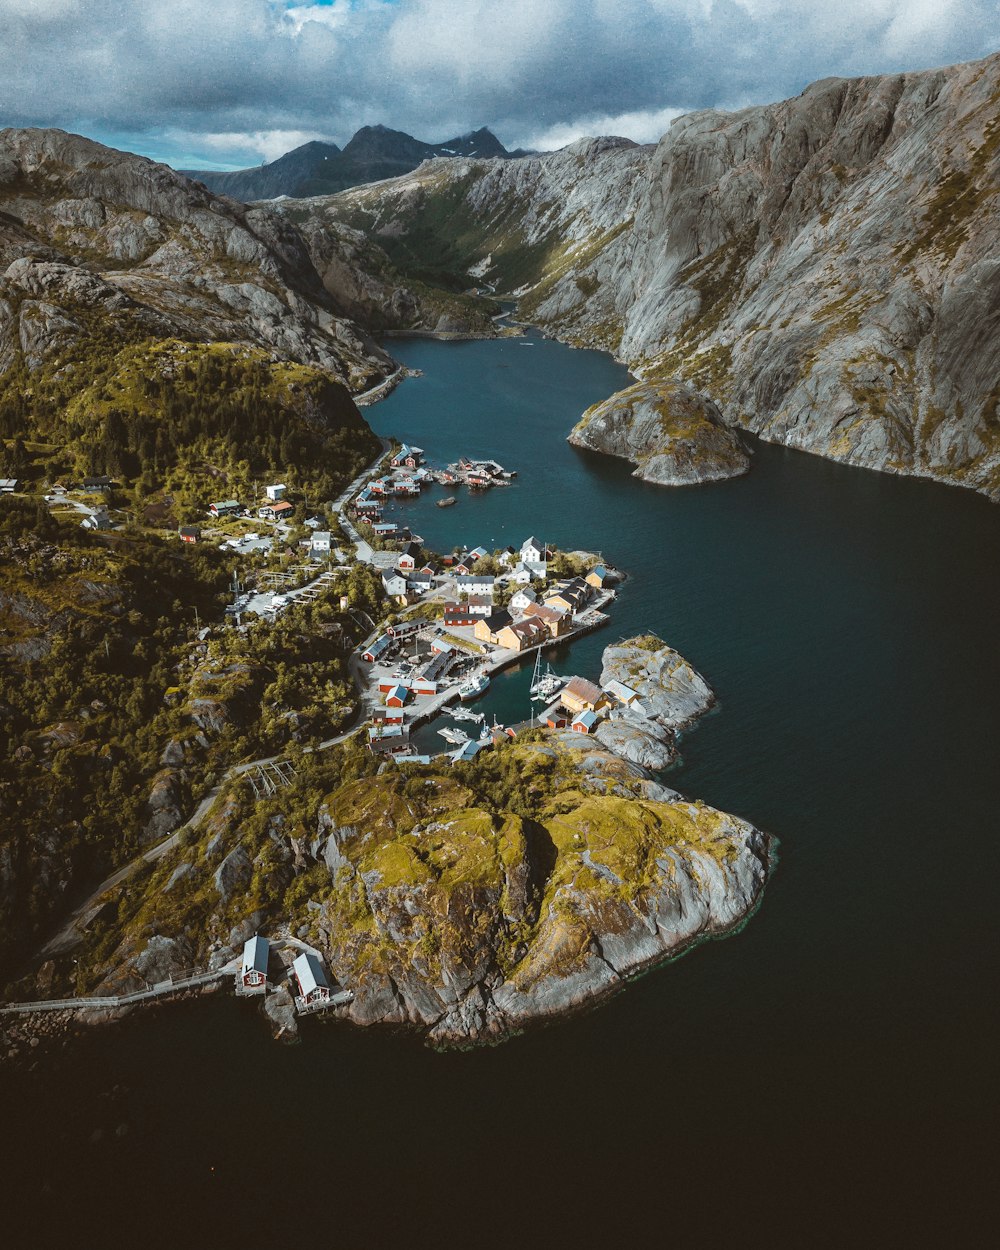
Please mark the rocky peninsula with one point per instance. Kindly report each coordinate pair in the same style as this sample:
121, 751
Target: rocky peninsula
464, 900
672, 434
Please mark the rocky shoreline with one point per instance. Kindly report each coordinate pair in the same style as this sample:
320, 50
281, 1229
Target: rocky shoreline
673, 435
467, 922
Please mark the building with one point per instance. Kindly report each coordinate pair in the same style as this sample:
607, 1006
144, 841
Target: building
621, 693
584, 722
521, 599
440, 647
480, 605
580, 695
320, 543
388, 716
190, 533
313, 985
98, 520
407, 457
94, 485
275, 492
458, 614
555, 621
8, 485
409, 556
477, 553
253, 968
378, 648
570, 596
533, 551
475, 584
522, 635
281, 510
395, 585
388, 739
406, 629
224, 507
489, 627
555, 717
397, 696
597, 577
419, 582
384, 529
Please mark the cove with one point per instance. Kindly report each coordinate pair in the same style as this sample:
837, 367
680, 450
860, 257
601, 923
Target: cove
829, 1073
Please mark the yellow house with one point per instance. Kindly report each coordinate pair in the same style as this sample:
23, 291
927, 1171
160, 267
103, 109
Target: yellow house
556, 622
522, 635
583, 696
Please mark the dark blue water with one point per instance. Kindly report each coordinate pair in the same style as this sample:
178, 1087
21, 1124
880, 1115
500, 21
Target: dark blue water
826, 1077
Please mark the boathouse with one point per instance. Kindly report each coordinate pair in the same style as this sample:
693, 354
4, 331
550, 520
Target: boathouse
581, 695
253, 969
597, 577
397, 696
312, 982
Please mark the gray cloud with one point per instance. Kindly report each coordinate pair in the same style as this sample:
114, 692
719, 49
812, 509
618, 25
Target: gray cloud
235, 81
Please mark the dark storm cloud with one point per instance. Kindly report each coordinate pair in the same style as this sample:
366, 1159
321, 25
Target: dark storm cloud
233, 81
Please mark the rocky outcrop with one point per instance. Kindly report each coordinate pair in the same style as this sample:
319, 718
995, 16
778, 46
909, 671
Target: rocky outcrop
672, 434
84, 227
823, 269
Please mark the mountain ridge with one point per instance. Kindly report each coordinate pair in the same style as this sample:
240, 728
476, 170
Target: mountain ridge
823, 268
373, 153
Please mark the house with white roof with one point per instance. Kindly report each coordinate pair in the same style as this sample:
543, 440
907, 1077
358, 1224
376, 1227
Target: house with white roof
253, 966
311, 979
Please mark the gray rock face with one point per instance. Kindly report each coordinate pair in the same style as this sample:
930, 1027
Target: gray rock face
233, 874
824, 269
162, 252
163, 957
673, 435
672, 693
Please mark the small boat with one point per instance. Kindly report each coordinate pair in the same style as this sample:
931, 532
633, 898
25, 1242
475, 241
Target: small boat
456, 737
544, 685
474, 687
462, 713
446, 503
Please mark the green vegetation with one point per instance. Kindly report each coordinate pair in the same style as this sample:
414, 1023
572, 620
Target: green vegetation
197, 420
508, 858
91, 633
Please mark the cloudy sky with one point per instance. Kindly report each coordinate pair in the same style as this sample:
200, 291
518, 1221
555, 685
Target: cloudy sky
227, 83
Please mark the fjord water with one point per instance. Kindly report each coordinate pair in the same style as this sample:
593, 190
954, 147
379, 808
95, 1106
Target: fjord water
827, 1075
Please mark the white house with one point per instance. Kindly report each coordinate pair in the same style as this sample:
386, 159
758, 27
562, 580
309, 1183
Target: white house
523, 575
521, 600
394, 584
320, 542
275, 492
475, 584
533, 551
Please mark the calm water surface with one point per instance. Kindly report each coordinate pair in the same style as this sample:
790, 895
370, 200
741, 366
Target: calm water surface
826, 1077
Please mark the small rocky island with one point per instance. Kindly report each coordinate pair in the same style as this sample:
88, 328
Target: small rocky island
671, 433
464, 900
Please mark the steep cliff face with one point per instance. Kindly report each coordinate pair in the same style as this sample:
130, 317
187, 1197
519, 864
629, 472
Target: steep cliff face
824, 269
88, 233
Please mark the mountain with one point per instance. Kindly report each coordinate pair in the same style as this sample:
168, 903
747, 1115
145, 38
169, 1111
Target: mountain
374, 153
823, 269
